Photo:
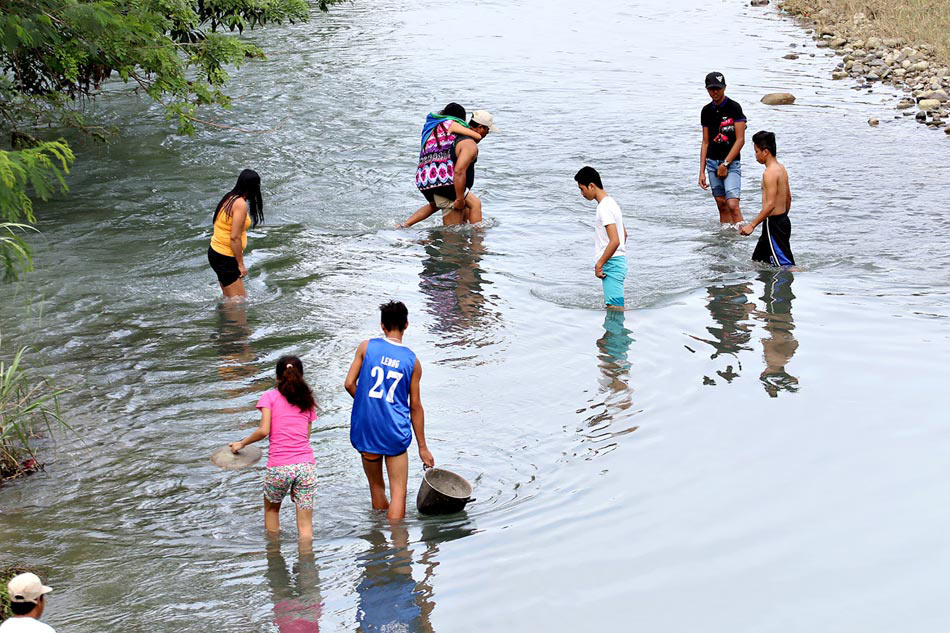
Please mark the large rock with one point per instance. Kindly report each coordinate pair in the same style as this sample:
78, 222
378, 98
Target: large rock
779, 98
938, 95
837, 42
873, 42
839, 74
926, 105
919, 66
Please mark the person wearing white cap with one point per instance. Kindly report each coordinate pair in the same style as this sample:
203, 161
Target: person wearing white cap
455, 199
27, 601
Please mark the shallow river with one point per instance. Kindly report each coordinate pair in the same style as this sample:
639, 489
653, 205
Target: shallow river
743, 450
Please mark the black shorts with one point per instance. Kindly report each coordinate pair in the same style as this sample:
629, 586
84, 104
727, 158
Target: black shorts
226, 268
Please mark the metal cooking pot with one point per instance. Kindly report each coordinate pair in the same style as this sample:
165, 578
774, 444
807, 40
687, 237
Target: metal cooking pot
443, 492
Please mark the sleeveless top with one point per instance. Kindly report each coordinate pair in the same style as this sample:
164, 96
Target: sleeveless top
221, 238
379, 422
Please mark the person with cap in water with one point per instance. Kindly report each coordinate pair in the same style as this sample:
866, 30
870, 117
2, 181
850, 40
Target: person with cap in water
724, 126
27, 601
454, 199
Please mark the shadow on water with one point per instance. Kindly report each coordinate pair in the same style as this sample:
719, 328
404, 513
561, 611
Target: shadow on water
453, 284
390, 599
780, 345
733, 312
298, 603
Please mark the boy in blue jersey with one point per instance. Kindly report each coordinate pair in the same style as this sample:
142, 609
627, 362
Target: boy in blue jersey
387, 408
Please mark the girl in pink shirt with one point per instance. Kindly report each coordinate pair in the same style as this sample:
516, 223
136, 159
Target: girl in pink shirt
286, 415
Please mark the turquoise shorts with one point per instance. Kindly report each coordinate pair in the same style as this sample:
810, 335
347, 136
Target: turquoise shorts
616, 271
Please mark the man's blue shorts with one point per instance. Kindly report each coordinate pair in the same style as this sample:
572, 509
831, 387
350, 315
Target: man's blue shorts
731, 185
616, 271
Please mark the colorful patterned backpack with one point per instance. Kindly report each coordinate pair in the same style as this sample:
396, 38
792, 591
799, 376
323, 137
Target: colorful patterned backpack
436, 167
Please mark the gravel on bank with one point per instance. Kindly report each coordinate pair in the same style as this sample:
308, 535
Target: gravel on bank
920, 68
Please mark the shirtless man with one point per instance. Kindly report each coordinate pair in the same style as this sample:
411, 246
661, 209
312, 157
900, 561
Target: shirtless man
773, 246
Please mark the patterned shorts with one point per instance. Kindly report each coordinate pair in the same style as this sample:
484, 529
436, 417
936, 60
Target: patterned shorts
300, 480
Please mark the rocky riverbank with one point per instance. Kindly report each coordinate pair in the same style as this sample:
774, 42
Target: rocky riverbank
912, 66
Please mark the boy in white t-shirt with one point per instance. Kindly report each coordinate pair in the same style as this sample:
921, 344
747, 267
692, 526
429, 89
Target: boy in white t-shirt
610, 251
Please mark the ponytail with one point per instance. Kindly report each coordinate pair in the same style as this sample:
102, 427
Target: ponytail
292, 386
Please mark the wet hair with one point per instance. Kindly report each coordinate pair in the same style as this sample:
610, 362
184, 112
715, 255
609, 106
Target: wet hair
765, 140
22, 608
454, 109
394, 316
588, 176
291, 385
248, 186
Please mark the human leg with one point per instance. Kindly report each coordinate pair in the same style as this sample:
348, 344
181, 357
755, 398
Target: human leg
271, 516
450, 216
615, 272
733, 186
473, 209
397, 467
277, 482
421, 214
373, 467
235, 290
302, 493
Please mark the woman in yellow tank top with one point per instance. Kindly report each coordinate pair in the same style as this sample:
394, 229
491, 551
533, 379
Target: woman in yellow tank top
239, 209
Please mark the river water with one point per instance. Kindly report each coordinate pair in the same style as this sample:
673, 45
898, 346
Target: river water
742, 450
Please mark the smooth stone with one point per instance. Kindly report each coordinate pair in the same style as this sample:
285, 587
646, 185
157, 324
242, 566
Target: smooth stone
791, 56
927, 105
778, 98
873, 122
872, 77
840, 74
890, 42
937, 95
838, 42
759, 3
904, 104
822, 44
921, 116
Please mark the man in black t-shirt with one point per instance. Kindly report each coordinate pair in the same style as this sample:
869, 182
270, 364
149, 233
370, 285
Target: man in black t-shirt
723, 137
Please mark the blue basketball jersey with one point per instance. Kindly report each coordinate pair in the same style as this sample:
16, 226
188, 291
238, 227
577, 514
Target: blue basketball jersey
380, 420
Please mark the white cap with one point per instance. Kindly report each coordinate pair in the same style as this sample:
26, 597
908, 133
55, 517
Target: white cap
484, 117
26, 588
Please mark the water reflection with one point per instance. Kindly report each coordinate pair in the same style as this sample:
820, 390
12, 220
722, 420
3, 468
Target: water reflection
236, 356
730, 308
453, 284
780, 345
297, 600
390, 600
615, 395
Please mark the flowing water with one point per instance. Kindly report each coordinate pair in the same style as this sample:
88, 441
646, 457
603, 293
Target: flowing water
742, 450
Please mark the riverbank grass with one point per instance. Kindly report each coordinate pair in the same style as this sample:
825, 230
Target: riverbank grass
916, 21
28, 407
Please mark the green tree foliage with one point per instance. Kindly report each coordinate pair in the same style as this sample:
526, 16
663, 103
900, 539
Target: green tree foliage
56, 54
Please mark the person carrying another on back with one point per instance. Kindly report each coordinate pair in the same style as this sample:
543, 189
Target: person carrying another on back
287, 414
610, 251
446, 172
238, 210
774, 245
384, 381
724, 126
27, 596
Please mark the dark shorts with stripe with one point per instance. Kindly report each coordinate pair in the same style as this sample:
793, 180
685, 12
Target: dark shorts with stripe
774, 243
225, 267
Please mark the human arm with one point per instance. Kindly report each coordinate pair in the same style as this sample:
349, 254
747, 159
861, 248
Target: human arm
418, 416
788, 199
459, 129
769, 185
613, 242
262, 431
354, 373
466, 151
238, 218
702, 159
723, 169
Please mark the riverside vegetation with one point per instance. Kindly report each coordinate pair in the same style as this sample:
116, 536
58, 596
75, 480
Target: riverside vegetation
902, 43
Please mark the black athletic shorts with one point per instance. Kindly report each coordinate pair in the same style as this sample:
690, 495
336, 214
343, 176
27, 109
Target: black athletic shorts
226, 268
